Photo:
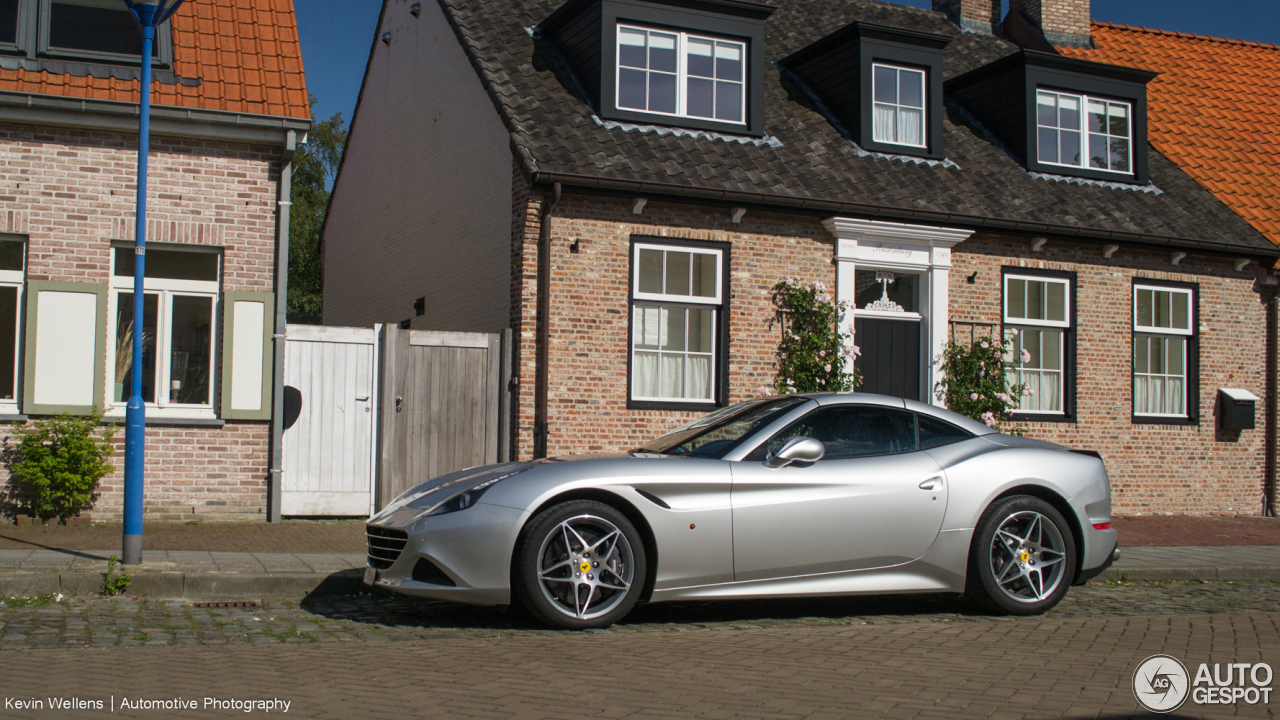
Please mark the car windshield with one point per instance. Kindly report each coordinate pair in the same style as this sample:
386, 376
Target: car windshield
716, 434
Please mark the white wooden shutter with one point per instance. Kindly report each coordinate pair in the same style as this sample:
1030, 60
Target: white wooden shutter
65, 362
248, 320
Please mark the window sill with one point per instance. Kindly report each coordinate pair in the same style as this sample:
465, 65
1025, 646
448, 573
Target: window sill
1157, 420
677, 405
13, 417
176, 420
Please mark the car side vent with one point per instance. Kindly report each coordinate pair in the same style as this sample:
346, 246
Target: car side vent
653, 499
428, 572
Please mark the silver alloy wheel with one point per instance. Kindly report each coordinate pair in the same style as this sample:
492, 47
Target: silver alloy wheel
1028, 557
585, 566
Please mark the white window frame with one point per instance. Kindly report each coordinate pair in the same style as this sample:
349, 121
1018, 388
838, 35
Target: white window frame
1151, 331
661, 300
1084, 130
924, 103
1064, 325
682, 75
16, 279
166, 289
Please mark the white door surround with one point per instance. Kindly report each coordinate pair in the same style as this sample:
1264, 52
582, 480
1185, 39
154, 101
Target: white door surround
922, 249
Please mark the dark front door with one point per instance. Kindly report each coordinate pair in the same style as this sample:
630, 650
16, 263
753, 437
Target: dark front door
890, 360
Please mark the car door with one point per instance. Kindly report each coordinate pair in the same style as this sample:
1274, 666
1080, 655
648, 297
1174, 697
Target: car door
875, 500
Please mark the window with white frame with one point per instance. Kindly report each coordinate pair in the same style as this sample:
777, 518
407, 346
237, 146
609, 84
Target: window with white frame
679, 74
899, 105
1162, 333
1037, 319
1083, 131
179, 335
13, 253
677, 293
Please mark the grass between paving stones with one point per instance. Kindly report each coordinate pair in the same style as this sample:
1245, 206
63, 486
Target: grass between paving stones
38, 601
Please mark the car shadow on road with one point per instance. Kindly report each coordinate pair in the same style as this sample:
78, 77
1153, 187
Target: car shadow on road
397, 611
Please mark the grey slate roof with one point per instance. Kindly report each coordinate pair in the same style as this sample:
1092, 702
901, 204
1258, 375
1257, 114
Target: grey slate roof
806, 162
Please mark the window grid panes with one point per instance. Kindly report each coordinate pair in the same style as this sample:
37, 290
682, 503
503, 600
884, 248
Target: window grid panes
1082, 131
673, 342
1162, 320
178, 326
683, 75
1036, 321
99, 26
899, 105
8, 22
12, 261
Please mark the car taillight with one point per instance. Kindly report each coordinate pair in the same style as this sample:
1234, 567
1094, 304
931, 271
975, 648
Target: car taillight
1102, 526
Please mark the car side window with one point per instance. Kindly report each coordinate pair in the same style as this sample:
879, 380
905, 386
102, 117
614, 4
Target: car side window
936, 433
850, 431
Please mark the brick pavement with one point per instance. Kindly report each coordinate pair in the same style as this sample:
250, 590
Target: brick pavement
1008, 670
295, 536
1150, 530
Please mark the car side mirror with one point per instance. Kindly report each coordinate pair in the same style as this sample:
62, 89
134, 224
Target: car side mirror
797, 449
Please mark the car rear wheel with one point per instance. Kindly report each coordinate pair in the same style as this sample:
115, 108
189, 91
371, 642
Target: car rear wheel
579, 565
1022, 557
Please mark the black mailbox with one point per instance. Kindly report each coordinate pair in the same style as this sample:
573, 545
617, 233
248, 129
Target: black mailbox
1236, 408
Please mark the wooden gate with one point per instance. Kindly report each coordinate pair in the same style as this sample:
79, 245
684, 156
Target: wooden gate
329, 442
443, 399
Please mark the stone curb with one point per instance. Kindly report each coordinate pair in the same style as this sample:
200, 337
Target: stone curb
195, 586
1248, 573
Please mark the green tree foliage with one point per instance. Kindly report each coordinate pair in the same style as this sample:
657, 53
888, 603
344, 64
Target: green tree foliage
315, 164
975, 384
814, 355
58, 463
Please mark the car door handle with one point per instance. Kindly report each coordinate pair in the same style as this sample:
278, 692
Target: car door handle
933, 483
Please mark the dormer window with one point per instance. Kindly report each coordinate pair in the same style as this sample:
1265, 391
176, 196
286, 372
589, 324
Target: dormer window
881, 85
899, 105
696, 64
98, 31
1061, 136
680, 74
1065, 116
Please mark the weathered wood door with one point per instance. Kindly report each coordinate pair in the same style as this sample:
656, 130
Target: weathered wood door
329, 442
442, 405
890, 359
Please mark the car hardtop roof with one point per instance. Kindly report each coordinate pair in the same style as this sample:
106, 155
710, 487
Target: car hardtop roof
838, 398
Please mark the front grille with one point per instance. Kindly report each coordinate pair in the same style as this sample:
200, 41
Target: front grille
385, 545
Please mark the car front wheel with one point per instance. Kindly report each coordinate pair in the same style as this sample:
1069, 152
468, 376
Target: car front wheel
579, 565
1022, 558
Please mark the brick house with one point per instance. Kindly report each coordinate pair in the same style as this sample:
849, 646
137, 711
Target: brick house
229, 106
623, 181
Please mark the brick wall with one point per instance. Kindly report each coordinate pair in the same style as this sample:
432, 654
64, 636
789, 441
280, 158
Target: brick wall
589, 311
1167, 469
71, 192
1154, 468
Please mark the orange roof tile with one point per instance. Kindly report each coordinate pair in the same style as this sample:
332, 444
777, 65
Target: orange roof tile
247, 58
1214, 110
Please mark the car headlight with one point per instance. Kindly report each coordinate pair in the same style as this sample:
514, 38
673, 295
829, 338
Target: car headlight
460, 501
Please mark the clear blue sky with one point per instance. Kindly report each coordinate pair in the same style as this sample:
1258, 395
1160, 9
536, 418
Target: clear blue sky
336, 34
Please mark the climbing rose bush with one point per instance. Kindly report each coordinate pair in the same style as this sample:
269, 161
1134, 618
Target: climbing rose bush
814, 355
974, 382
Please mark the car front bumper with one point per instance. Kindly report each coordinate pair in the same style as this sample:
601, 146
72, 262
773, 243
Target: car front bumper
471, 549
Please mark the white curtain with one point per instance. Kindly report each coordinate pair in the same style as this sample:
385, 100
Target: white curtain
884, 121
910, 126
645, 370
700, 377
672, 384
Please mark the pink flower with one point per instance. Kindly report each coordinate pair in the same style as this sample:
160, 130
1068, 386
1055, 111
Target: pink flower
985, 345
822, 353
1013, 332
1004, 397
1030, 391
989, 418
827, 367
856, 351
1026, 355
1026, 392
764, 391
973, 396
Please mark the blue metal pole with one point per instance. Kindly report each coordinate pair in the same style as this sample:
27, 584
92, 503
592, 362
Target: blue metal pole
136, 411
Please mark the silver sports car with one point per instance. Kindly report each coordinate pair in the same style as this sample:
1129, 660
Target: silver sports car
797, 495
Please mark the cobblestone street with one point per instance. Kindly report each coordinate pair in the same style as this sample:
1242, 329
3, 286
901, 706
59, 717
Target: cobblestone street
384, 656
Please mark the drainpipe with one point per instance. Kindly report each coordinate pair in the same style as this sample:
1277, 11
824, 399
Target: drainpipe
1269, 474
282, 305
541, 380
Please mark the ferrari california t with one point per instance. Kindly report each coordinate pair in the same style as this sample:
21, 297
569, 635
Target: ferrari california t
787, 496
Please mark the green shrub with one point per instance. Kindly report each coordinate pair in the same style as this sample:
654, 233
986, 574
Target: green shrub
58, 462
974, 382
814, 355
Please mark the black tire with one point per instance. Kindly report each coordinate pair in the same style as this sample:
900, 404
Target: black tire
609, 585
1036, 570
